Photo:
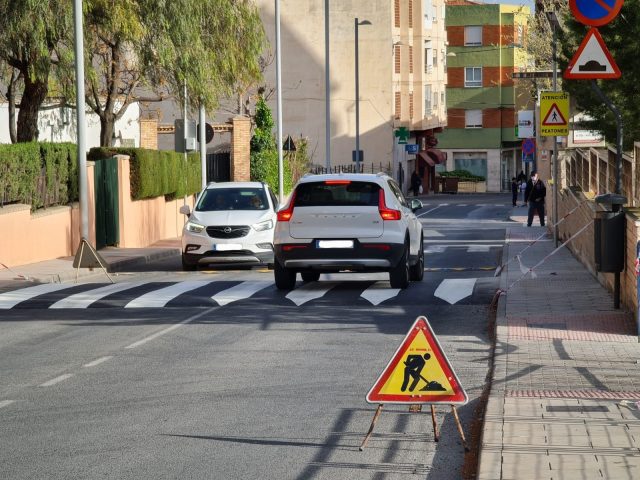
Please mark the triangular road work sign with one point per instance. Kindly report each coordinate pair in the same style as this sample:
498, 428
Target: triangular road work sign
592, 60
554, 117
418, 372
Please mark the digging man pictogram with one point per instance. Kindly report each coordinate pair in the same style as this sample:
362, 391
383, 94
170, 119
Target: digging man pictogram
413, 370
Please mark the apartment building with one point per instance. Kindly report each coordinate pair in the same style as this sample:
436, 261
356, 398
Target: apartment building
402, 62
485, 47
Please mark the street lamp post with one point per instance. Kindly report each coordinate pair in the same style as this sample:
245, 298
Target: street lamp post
555, 24
279, 105
357, 24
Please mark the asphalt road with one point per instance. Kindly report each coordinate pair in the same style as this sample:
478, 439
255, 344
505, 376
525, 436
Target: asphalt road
265, 386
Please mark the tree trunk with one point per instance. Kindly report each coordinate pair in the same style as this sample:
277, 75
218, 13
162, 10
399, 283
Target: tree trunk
107, 126
11, 98
35, 93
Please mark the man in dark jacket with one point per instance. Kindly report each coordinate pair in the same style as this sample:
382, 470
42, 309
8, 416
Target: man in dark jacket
534, 195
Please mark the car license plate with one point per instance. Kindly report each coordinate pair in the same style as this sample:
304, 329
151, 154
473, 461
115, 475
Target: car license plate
225, 247
335, 243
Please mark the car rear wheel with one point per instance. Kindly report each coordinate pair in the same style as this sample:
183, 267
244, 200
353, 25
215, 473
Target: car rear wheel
188, 266
416, 271
399, 275
310, 276
285, 277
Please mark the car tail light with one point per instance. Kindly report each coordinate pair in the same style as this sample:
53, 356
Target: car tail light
378, 246
294, 246
285, 214
337, 182
387, 213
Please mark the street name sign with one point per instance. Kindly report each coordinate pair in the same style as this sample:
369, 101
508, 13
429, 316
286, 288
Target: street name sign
595, 13
592, 60
554, 112
419, 372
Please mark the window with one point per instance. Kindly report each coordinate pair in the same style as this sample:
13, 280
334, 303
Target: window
428, 57
442, 97
427, 7
398, 111
473, 118
519, 35
435, 14
410, 13
476, 163
396, 13
427, 100
410, 104
410, 59
473, 77
435, 59
397, 59
435, 100
472, 36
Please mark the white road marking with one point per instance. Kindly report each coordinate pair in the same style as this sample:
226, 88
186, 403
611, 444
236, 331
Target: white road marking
239, 292
59, 379
461, 241
171, 328
98, 361
435, 249
435, 208
479, 248
84, 299
11, 299
6, 403
453, 290
379, 292
310, 291
432, 233
159, 298
462, 205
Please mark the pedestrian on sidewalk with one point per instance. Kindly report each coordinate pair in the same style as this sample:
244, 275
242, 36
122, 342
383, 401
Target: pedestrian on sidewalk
522, 178
514, 191
416, 183
534, 195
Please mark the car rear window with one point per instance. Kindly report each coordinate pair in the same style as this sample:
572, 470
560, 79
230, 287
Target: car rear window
221, 199
318, 194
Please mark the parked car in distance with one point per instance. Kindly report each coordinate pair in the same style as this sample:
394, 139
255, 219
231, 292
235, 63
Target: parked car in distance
348, 222
231, 223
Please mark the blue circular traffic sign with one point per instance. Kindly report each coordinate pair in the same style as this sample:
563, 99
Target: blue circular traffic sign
595, 13
528, 146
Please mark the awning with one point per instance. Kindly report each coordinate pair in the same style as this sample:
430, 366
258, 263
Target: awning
433, 156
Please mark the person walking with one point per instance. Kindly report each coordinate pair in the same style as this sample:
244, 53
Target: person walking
534, 195
416, 183
514, 191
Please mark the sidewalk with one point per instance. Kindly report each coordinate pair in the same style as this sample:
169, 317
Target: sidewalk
565, 359
61, 270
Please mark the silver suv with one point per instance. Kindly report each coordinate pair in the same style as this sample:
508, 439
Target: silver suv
348, 222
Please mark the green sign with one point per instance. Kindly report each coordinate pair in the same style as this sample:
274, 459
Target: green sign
402, 135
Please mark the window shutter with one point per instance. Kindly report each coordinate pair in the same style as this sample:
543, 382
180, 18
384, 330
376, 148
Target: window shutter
410, 13
398, 111
410, 59
396, 13
397, 59
410, 104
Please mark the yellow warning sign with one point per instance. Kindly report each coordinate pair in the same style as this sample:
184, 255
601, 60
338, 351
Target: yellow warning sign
554, 114
419, 372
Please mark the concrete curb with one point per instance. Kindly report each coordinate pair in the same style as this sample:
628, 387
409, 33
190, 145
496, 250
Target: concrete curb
123, 265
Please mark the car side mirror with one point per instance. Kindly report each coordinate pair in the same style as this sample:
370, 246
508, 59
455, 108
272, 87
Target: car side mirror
416, 205
185, 210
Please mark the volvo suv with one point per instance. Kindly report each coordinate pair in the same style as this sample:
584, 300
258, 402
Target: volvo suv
348, 222
231, 223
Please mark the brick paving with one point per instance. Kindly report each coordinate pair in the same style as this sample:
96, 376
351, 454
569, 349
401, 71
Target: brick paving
567, 373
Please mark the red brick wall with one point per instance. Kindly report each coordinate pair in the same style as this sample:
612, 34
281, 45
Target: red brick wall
490, 77
497, 118
455, 77
455, 117
455, 35
241, 149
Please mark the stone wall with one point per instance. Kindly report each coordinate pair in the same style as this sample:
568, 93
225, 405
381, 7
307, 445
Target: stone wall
149, 134
241, 149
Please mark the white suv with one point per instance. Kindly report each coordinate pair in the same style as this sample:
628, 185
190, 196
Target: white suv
348, 222
232, 223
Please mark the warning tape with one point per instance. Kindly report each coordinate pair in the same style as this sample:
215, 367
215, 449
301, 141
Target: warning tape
501, 267
531, 270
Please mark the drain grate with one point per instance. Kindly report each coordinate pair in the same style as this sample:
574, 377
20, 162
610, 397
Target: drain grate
577, 408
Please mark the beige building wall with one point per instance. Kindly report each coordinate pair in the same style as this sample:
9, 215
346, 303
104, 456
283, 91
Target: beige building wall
303, 73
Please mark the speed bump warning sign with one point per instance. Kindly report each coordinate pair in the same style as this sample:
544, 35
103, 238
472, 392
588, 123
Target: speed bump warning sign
418, 372
554, 114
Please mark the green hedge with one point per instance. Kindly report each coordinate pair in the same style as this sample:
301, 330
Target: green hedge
464, 175
38, 174
155, 173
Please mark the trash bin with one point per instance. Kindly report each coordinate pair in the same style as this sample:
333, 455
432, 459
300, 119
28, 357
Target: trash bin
450, 185
609, 234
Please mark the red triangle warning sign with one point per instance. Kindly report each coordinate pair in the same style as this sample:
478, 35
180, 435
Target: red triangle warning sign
554, 117
592, 60
418, 372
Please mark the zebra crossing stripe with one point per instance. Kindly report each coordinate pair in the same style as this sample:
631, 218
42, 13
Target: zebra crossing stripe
239, 292
310, 291
11, 299
379, 292
159, 298
84, 299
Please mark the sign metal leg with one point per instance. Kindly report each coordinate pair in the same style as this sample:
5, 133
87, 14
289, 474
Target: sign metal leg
373, 424
436, 435
464, 440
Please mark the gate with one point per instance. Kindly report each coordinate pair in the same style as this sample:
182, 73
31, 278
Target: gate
219, 167
106, 196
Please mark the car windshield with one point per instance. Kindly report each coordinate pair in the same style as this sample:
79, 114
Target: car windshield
222, 199
338, 193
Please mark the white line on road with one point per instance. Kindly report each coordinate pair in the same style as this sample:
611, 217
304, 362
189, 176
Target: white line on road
379, 292
239, 292
452, 290
11, 299
432, 233
59, 379
159, 298
98, 361
6, 403
429, 211
171, 328
310, 291
84, 299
